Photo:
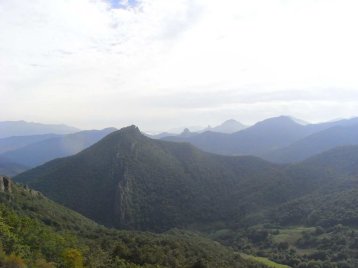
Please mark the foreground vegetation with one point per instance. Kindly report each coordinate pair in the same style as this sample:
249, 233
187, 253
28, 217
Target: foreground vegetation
36, 232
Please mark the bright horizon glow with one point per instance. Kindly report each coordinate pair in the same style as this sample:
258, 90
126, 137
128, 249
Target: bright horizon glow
164, 64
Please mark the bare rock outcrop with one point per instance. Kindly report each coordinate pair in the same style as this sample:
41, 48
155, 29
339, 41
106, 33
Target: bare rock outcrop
5, 184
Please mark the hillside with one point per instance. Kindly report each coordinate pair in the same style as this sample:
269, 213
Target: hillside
340, 161
315, 144
41, 233
43, 151
335, 201
23, 128
317, 229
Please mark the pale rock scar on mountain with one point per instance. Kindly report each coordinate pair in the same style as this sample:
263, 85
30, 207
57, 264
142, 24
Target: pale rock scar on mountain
5, 184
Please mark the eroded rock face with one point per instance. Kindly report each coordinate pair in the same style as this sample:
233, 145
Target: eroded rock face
5, 184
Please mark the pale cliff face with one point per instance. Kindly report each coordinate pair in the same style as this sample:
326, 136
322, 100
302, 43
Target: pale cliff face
5, 184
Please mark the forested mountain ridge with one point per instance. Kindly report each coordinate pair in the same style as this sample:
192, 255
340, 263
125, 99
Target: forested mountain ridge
342, 160
335, 185
129, 180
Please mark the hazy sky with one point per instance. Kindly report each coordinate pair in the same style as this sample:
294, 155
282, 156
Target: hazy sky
166, 63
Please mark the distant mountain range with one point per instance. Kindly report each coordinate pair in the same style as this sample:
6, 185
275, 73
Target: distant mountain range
229, 126
262, 139
15, 142
37, 153
280, 139
23, 128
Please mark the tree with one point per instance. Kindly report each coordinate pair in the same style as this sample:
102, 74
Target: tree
73, 258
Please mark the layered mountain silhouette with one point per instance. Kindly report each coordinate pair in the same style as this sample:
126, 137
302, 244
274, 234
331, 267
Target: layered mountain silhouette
260, 139
45, 150
23, 128
228, 126
131, 181
16, 142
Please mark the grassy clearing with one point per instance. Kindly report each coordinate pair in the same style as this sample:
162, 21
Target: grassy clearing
264, 261
291, 235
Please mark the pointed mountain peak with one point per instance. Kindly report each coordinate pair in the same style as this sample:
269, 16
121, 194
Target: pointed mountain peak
130, 130
127, 133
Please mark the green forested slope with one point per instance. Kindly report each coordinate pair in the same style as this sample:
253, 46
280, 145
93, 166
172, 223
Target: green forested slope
37, 232
318, 229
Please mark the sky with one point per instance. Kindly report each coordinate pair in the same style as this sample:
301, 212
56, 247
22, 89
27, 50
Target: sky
162, 64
